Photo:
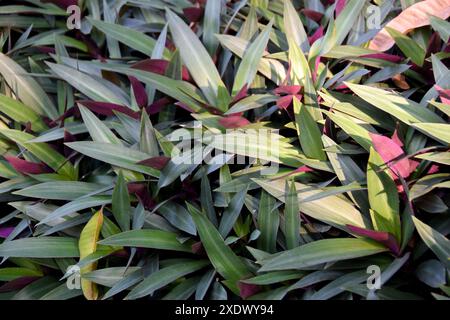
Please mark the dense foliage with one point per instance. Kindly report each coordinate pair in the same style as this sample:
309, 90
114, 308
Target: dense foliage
358, 119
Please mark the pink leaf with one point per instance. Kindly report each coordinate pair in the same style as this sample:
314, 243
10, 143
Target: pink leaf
241, 94
298, 170
232, 122
433, 169
316, 36
284, 102
389, 150
294, 89
340, 5
396, 139
444, 94
383, 237
415, 16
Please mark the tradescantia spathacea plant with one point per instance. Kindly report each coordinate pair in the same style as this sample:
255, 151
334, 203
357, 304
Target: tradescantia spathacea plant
106, 129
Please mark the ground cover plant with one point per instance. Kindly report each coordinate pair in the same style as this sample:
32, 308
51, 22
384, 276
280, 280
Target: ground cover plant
110, 111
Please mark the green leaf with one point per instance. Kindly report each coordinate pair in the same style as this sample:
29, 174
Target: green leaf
439, 131
268, 222
231, 213
8, 274
293, 26
309, 133
132, 38
42, 247
348, 172
121, 203
383, 197
428, 183
98, 131
356, 131
165, 276
93, 88
441, 26
396, 105
174, 88
249, 65
59, 190
75, 205
26, 88
270, 68
439, 157
439, 244
183, 290
321, 251
274, 277
408, 46
292, 217
21, 113
196, 58
155, 239
332, 210
301, 75
211, 25
42, 151
36, 289
88, 245
148, 142
224, 260
114, 154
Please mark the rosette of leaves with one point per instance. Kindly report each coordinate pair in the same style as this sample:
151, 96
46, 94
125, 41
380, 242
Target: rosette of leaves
91, 120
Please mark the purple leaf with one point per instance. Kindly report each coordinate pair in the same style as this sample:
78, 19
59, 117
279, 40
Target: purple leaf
158, 66
193, 14
157, 105
27, 167
5, 232
62, 3
383, 56
17, 284
232, 122
197, 248
139, 92
383, 237
155, 162
247, 290
142, 193
107, 108
313, 15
